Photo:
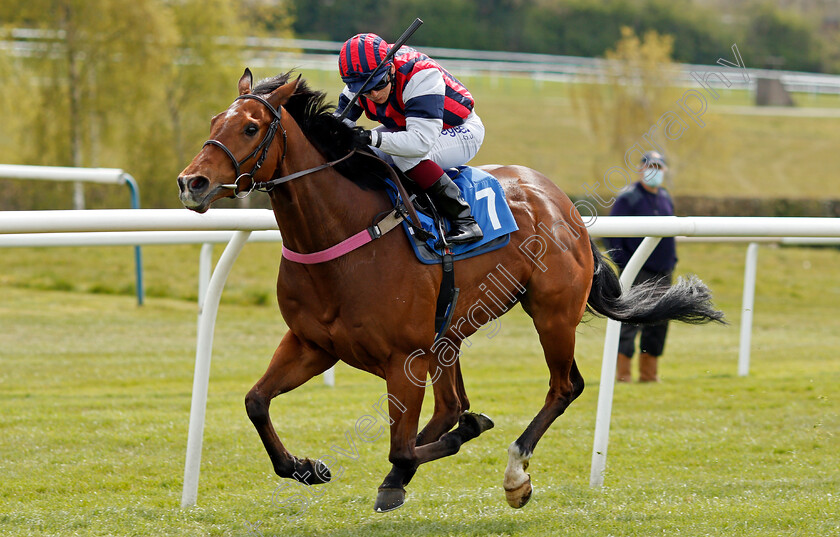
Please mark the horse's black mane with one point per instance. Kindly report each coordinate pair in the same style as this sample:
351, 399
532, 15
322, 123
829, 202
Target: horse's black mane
332, 137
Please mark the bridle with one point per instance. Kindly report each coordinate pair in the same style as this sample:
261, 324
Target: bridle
262, 148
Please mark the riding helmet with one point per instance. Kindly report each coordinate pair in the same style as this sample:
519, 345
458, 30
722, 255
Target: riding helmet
359, 57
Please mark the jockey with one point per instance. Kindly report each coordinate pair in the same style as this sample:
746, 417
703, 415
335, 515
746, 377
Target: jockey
427, 121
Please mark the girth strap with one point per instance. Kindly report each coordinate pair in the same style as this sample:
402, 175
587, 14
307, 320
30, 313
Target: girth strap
447, 298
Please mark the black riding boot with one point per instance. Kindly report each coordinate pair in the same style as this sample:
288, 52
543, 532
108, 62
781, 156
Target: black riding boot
448, 201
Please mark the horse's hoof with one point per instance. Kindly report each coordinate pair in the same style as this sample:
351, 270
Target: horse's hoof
519, 496
311, 472
389, 499
484, 422
470, 425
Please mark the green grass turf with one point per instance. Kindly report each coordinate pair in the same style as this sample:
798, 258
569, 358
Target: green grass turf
95, 394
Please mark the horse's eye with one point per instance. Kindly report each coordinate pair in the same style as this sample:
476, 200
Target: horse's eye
252, 129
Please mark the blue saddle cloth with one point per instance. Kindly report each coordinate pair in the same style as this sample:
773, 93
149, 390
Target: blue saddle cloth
489, 208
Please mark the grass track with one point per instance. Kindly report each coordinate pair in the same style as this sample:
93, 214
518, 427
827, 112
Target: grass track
94, 404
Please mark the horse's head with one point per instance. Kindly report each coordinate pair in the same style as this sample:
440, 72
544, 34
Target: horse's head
240, 142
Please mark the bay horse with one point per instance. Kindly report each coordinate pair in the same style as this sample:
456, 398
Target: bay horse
374, 307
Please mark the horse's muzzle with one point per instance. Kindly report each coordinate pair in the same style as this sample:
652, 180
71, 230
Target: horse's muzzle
192, 184
193, 192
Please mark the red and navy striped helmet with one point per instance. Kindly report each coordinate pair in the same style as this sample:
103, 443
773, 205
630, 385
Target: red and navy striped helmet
359, 57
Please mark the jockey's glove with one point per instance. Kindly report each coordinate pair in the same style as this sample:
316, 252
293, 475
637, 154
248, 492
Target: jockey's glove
364, 138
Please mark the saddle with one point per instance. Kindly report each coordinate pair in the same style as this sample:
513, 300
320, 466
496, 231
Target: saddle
489, 206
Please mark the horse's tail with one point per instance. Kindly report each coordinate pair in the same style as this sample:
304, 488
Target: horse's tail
689, 300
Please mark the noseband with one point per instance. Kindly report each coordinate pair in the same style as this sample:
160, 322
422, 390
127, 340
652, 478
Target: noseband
262, 148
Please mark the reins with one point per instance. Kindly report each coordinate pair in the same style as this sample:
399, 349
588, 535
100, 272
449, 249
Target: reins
268, 185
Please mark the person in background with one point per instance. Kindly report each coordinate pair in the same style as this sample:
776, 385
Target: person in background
646, 197
427, 117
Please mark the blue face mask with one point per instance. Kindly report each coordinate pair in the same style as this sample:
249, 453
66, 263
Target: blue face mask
654, 177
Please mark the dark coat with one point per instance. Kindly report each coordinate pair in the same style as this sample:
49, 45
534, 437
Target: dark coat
637, 201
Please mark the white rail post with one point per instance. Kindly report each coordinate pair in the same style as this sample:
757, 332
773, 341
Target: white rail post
205, 266
747, 307
79, 196
203, 352
607, 386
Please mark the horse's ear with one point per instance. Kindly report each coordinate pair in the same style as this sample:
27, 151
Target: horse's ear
245, 82
281, 95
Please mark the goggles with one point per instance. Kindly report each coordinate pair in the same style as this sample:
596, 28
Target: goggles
379, 81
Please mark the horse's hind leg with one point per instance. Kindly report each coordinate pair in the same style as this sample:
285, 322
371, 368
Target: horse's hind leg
292, 365
451, 397
451, 408
450, 401
405, 455
404, 380
565, 385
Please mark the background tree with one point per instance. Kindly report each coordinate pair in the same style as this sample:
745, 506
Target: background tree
86, 79
114, 84
638, 90
701, 28
782, 39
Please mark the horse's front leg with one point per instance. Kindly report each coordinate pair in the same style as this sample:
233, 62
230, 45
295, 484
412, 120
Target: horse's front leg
405, 377
293, 364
